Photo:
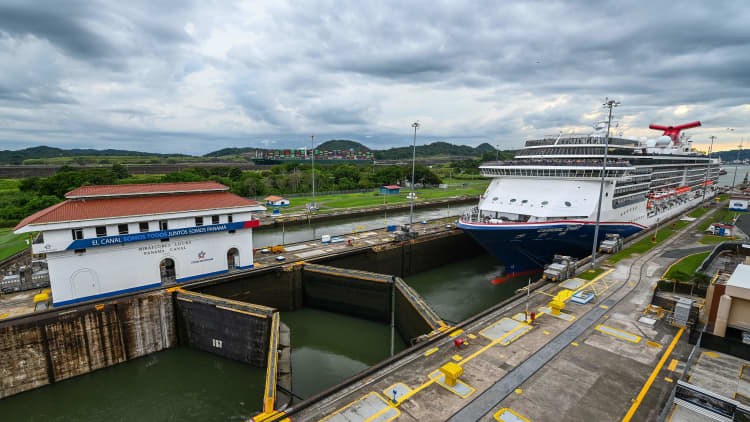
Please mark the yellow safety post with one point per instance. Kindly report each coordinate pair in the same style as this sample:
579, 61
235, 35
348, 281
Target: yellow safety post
451, 371
558, 302
41, 297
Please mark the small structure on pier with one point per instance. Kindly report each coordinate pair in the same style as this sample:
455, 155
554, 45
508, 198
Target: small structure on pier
390, 189
739, 203
276, 201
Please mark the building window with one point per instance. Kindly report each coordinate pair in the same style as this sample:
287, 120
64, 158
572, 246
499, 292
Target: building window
198, 221
229, 218
143, 227
214, 219
77, 234
163, 225
122, 228
101, 231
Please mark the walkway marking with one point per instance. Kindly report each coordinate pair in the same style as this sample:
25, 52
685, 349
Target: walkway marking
457, 358
370, 407
604, 306
561, 315
471, 336
711, 354
431, 351
667, 379
507, 415
651, 378
574, 344
455, 333
618, 333
597, 278
400, 388
653, 344
672, 365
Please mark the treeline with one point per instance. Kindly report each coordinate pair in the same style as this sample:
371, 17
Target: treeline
37, 193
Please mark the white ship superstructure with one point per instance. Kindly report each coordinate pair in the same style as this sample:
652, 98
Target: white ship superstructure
544, 201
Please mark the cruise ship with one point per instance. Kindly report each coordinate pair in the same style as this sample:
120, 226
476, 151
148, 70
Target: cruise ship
544, 201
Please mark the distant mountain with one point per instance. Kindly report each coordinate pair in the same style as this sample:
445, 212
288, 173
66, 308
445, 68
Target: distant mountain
434, 149
342, 145
230, 151
732, 155
17, 157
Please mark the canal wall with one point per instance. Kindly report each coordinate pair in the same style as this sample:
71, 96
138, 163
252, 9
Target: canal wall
42, 349
228, 328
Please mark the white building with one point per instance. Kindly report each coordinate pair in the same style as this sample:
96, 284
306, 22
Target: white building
276, 201
739, 203
106, 240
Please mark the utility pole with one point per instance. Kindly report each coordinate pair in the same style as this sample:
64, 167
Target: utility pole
708, 168
607, 104
737, 163
415, 125
312, 157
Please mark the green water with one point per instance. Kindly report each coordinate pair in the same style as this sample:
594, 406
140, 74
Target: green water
462, 289
174, 385
328, 348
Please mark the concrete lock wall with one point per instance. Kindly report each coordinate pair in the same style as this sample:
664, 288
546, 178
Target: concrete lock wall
357, 293
228, 328
414, 317
279, 288
405, 258
42, 349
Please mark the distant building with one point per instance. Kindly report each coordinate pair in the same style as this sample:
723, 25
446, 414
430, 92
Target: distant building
106, 240
276, 201
719, 229
390, 189
728, 303
739, 203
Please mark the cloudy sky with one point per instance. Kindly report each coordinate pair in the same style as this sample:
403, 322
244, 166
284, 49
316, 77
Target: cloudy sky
193, 77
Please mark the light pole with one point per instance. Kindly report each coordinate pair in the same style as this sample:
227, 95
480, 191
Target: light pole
312, 157
708, 168
610, 104
415, 125
497, 152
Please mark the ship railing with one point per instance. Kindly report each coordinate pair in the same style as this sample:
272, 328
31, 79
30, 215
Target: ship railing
558, 162
576, 140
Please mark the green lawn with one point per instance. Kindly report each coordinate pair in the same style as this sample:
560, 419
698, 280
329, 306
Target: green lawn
712, 240
369, 199
720, 216
11, 243
641, 246
698, 212
685, 268
591, 274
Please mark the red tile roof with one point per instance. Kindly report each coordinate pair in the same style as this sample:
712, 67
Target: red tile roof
144, 189
273, 198
392, 187
75, 210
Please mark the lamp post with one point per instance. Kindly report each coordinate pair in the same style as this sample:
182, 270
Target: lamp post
415, 125
312, 157
610, 104
708, 168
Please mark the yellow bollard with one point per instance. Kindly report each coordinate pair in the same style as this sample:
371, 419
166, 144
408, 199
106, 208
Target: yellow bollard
558, 302
451, 371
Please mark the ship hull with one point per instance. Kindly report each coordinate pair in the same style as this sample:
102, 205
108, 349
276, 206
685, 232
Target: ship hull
525, 248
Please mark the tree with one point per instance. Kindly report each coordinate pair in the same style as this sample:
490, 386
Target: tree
120, 171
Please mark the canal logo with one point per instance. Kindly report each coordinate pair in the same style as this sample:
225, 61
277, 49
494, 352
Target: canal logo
201, 255
201, 258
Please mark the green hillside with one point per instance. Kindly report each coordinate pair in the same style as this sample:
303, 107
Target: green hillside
18, 157
433, 150
342, 145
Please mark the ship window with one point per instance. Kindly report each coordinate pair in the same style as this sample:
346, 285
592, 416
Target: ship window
513, 200
567, 204
101, 231
545, 202
524, 201
494, 199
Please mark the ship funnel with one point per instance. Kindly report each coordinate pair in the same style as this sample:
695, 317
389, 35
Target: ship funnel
674, 131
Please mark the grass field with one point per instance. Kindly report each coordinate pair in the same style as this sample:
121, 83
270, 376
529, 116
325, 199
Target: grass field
720, 216
684, 269
698, 212
591, 274
642, 245
369, 199
11, 243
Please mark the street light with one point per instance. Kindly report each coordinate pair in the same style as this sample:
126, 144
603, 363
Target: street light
610, 104
415, 125
708, 168
312, 157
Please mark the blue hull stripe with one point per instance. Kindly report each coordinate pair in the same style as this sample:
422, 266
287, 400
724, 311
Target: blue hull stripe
529, 247
103, 295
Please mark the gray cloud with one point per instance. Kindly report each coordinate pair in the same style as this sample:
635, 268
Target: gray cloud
191, 77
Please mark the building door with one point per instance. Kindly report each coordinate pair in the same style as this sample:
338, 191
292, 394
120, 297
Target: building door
233, 259
167, 271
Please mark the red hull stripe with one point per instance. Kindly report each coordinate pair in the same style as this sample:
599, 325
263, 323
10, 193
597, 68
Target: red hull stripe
506, 277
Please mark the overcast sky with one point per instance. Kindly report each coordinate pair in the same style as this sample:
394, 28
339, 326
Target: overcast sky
176, 76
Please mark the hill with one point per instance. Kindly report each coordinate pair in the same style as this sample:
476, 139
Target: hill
230, 151
732, 155
342, 145
17, 157
433, 150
